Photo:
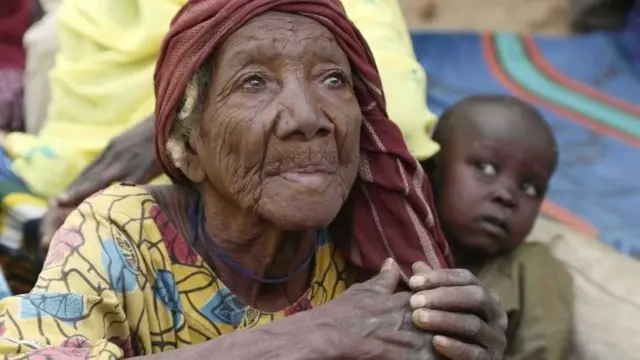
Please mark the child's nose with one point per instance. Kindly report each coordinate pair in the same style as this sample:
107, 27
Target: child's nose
505, 195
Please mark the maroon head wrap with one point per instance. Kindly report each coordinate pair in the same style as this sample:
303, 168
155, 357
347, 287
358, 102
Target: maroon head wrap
392, 215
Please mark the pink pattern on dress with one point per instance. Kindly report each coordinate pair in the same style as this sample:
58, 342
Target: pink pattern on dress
178, 247
58, 354
125, 344
301, 305
77, 342
63, 242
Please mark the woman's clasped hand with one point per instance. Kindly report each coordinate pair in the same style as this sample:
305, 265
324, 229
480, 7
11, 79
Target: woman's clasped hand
448, 312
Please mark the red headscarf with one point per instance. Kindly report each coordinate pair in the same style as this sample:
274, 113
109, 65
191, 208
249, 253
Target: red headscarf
393, 214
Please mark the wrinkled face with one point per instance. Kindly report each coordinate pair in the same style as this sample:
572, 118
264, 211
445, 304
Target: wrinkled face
280, 133
490, 182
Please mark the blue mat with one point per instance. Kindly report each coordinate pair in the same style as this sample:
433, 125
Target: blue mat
586, 88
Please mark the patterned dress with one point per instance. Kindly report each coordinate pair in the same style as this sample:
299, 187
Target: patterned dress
120, 280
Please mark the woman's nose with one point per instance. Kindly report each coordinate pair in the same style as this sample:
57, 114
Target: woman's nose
302, 118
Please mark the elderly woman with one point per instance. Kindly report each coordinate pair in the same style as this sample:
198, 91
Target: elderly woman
290, 185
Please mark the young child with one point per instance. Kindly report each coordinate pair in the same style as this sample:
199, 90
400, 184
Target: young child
490, 178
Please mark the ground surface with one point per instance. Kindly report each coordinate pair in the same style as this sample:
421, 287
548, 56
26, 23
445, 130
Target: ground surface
539, 16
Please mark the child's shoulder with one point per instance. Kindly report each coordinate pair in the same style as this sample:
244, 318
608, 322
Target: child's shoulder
535, 265
527, 277
526, 254
529, 262
533, 253
536, 258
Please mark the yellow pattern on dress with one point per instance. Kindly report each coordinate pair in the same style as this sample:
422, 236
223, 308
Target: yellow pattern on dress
120, 280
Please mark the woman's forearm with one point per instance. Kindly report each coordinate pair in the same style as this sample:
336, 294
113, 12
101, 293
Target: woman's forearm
292, 338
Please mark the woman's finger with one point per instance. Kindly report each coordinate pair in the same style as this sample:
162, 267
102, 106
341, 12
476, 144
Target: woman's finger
461, 326
421, 267
457, 350
424, 279
471, 299
387, 280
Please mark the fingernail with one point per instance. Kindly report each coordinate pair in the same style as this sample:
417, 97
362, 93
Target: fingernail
417, 281
441, 341
388, 264
415, 266
418, 301
421, 266
422, 316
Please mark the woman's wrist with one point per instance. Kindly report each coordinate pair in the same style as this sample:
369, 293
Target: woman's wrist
297, 337
292, 338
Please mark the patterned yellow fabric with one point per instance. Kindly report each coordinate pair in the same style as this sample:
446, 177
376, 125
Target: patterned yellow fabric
120, 280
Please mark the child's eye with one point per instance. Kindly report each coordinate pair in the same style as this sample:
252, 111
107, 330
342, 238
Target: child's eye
530, 190
488, 169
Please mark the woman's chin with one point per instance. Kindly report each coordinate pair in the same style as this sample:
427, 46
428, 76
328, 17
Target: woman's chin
301, 221
294, 208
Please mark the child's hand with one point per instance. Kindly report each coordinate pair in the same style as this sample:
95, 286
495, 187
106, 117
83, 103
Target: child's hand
453, 302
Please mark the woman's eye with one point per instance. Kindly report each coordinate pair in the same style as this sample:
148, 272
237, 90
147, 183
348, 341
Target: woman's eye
530, 190
254, 82
488, 169
335, 80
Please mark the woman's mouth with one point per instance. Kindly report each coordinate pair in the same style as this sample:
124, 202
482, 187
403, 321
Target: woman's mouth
311, 177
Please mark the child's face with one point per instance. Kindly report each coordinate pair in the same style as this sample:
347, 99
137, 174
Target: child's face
490, 183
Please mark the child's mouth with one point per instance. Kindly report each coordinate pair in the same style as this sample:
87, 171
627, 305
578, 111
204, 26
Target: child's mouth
494, 225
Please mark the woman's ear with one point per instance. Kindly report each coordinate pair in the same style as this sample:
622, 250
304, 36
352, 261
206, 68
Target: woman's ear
193, 168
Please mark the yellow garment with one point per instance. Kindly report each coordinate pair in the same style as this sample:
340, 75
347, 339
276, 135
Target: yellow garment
102, 82
403, 79
120, 280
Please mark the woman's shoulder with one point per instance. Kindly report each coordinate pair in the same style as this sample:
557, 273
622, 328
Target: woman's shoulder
120, 222
123, 198
132, 211
127, 199
127, 209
